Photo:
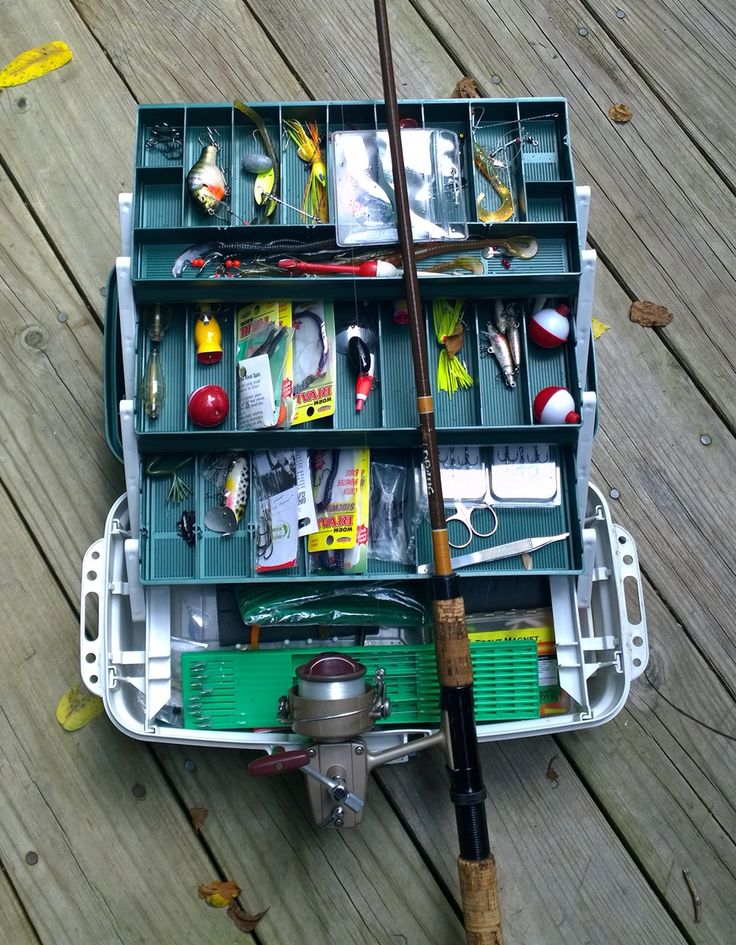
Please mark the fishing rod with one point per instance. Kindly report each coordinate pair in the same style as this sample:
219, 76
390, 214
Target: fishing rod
476, 865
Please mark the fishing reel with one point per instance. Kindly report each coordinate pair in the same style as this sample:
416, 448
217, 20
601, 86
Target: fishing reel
334, 705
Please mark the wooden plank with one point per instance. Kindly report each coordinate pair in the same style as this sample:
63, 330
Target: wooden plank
660, 214
672, 496
66, 139
112, 867
686, 53
310, 43
563, 874
51, 421
13, 921
364, 885
199, 53
668, 782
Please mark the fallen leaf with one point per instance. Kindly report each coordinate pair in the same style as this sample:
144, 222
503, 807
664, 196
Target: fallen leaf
550, 773
599, 328
33, 63
198, 815
244, 920
619, 113
76, 708
218, 894
465, 88
649, 314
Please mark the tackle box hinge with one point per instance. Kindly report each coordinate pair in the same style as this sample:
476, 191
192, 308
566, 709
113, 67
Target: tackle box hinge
119, 588
601, 574
117, 529
618, 661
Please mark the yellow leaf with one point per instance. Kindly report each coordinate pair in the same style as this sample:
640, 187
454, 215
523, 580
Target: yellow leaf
35, 62
218, 894
599, 328
76, 708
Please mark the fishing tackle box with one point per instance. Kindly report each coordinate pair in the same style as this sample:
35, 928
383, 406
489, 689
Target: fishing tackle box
135, 569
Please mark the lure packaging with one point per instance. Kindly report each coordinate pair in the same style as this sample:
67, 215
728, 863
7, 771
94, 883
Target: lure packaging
342, 500
363, 184
277, 538
264, 358
313, 361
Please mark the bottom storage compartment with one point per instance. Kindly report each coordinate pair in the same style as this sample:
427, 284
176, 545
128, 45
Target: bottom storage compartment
192, 664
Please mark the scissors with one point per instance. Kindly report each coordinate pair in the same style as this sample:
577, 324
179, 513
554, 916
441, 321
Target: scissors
469, 490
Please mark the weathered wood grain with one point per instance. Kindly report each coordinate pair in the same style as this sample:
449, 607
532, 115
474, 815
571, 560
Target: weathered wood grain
112, 869
67, 139
563, 874
13, 922
686, 53
668, 782
193, 52
336, 56
54, 460
673, 492
367, 885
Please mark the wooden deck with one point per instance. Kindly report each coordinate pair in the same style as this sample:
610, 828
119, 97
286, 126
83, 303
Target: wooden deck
598, 856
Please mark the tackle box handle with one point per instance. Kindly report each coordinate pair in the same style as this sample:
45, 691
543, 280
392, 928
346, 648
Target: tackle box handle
94, 568
635, 643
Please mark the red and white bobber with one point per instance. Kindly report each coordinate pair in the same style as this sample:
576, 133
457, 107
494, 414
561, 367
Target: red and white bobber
550, 327
554, 405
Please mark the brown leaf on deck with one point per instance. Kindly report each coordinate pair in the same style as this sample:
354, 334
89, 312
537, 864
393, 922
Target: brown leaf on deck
244, 920
619, 113
649, 314
465, 88
218, 894
198, 815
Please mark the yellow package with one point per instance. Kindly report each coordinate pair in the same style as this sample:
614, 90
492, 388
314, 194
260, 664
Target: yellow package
313, 349
552, 699
341, 496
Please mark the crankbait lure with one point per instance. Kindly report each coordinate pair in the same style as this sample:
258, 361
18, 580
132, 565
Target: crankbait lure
206, 180
498, 346
225, 518
506, 210
185, 527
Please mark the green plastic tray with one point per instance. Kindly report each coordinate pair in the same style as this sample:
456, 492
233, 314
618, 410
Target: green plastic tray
241, 689
487, 412
166, 221
167, 559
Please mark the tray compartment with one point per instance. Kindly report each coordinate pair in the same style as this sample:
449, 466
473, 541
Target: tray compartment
246, 140
167, 559
295, 172
148, 117
222, 373
198, 120
550, 158
159, 192
500, 406
493, 127
550, 201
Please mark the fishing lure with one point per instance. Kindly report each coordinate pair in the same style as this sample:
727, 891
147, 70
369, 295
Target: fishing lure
273, 194
513, 333
486, 168
468, 263
314, 199
153, 386
447, 318
206, 179
498, 346
225, 517
304, 353
185, 527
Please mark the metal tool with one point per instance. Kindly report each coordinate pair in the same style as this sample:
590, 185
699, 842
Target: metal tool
465, 484
523, 546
